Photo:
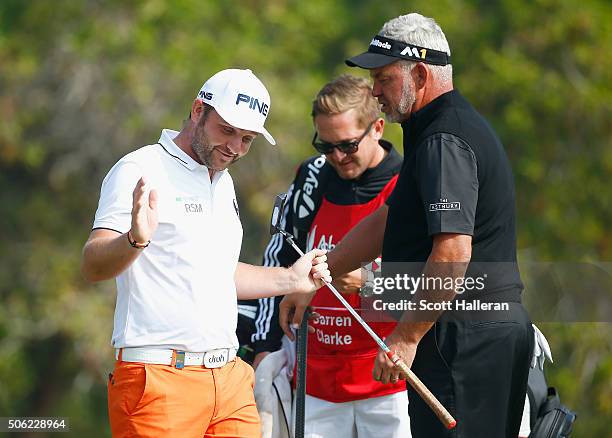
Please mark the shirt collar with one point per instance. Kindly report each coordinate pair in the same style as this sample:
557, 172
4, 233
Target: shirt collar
419, 120
166, 140
386, 166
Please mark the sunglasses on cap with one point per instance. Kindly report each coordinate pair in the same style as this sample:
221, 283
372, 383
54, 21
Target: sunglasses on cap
347, 146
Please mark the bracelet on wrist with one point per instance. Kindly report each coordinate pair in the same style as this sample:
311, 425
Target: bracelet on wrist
135, 244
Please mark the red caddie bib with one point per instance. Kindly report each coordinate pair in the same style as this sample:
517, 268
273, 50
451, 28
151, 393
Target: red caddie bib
340, 353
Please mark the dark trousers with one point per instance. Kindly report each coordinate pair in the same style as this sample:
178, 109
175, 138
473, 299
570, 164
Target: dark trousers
478, 370
244, 329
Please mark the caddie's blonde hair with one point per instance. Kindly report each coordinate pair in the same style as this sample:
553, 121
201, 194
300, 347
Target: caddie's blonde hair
344, 93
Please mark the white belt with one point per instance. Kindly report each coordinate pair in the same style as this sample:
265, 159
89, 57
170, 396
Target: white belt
179, 359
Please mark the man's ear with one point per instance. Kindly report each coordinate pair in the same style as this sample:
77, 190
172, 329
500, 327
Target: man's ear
378, 127
197, 109
420, 75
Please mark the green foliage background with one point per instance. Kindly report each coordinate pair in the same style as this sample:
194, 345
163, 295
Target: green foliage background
84, 82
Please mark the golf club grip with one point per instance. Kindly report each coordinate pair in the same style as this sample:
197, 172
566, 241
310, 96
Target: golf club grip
445, 417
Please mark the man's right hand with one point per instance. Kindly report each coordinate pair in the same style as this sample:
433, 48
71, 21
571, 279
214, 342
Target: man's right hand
258, 358
291, 311
144, 212
107, 253
349, 283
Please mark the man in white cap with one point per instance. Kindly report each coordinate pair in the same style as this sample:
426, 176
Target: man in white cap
168, 229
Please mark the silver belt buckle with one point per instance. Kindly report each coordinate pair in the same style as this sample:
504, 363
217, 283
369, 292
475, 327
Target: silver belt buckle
216, 358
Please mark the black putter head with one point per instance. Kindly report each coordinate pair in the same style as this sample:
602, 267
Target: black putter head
277, 213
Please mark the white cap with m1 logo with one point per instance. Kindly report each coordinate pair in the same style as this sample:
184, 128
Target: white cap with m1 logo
240, 98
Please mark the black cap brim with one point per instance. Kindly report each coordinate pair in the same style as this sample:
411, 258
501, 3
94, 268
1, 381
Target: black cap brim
370, 60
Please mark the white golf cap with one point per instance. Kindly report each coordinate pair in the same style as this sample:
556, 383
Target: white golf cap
239, 98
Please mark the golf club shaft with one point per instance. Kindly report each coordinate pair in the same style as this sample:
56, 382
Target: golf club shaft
300, 386
445, 417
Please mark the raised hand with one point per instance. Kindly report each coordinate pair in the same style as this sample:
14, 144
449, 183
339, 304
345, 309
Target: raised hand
144, 212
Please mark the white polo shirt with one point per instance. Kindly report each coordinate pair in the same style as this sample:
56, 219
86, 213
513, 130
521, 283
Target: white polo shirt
180, 292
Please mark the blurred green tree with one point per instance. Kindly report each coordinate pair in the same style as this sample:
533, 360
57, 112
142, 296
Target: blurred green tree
83, 83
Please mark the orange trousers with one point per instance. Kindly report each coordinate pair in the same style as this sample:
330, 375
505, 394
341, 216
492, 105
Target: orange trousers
147, 400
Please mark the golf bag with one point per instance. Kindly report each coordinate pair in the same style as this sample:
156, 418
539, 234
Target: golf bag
549, 418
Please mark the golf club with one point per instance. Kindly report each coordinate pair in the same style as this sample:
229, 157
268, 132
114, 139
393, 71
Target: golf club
300, 378
445, 417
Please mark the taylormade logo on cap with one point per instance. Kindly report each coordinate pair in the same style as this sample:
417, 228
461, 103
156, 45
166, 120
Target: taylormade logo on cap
240, 98
380, 44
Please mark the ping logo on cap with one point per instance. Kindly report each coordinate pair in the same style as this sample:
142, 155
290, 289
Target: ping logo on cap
254, 103
205, 95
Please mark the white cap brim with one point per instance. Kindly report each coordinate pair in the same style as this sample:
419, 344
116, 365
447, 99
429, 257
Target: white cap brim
237, 124
268, 136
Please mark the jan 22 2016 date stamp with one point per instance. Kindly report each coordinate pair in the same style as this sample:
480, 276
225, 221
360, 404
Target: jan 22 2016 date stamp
34, 424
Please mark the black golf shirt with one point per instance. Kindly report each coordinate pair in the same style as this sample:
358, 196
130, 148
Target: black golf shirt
455, 178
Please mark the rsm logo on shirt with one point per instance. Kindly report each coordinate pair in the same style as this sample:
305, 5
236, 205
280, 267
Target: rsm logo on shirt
191, 204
